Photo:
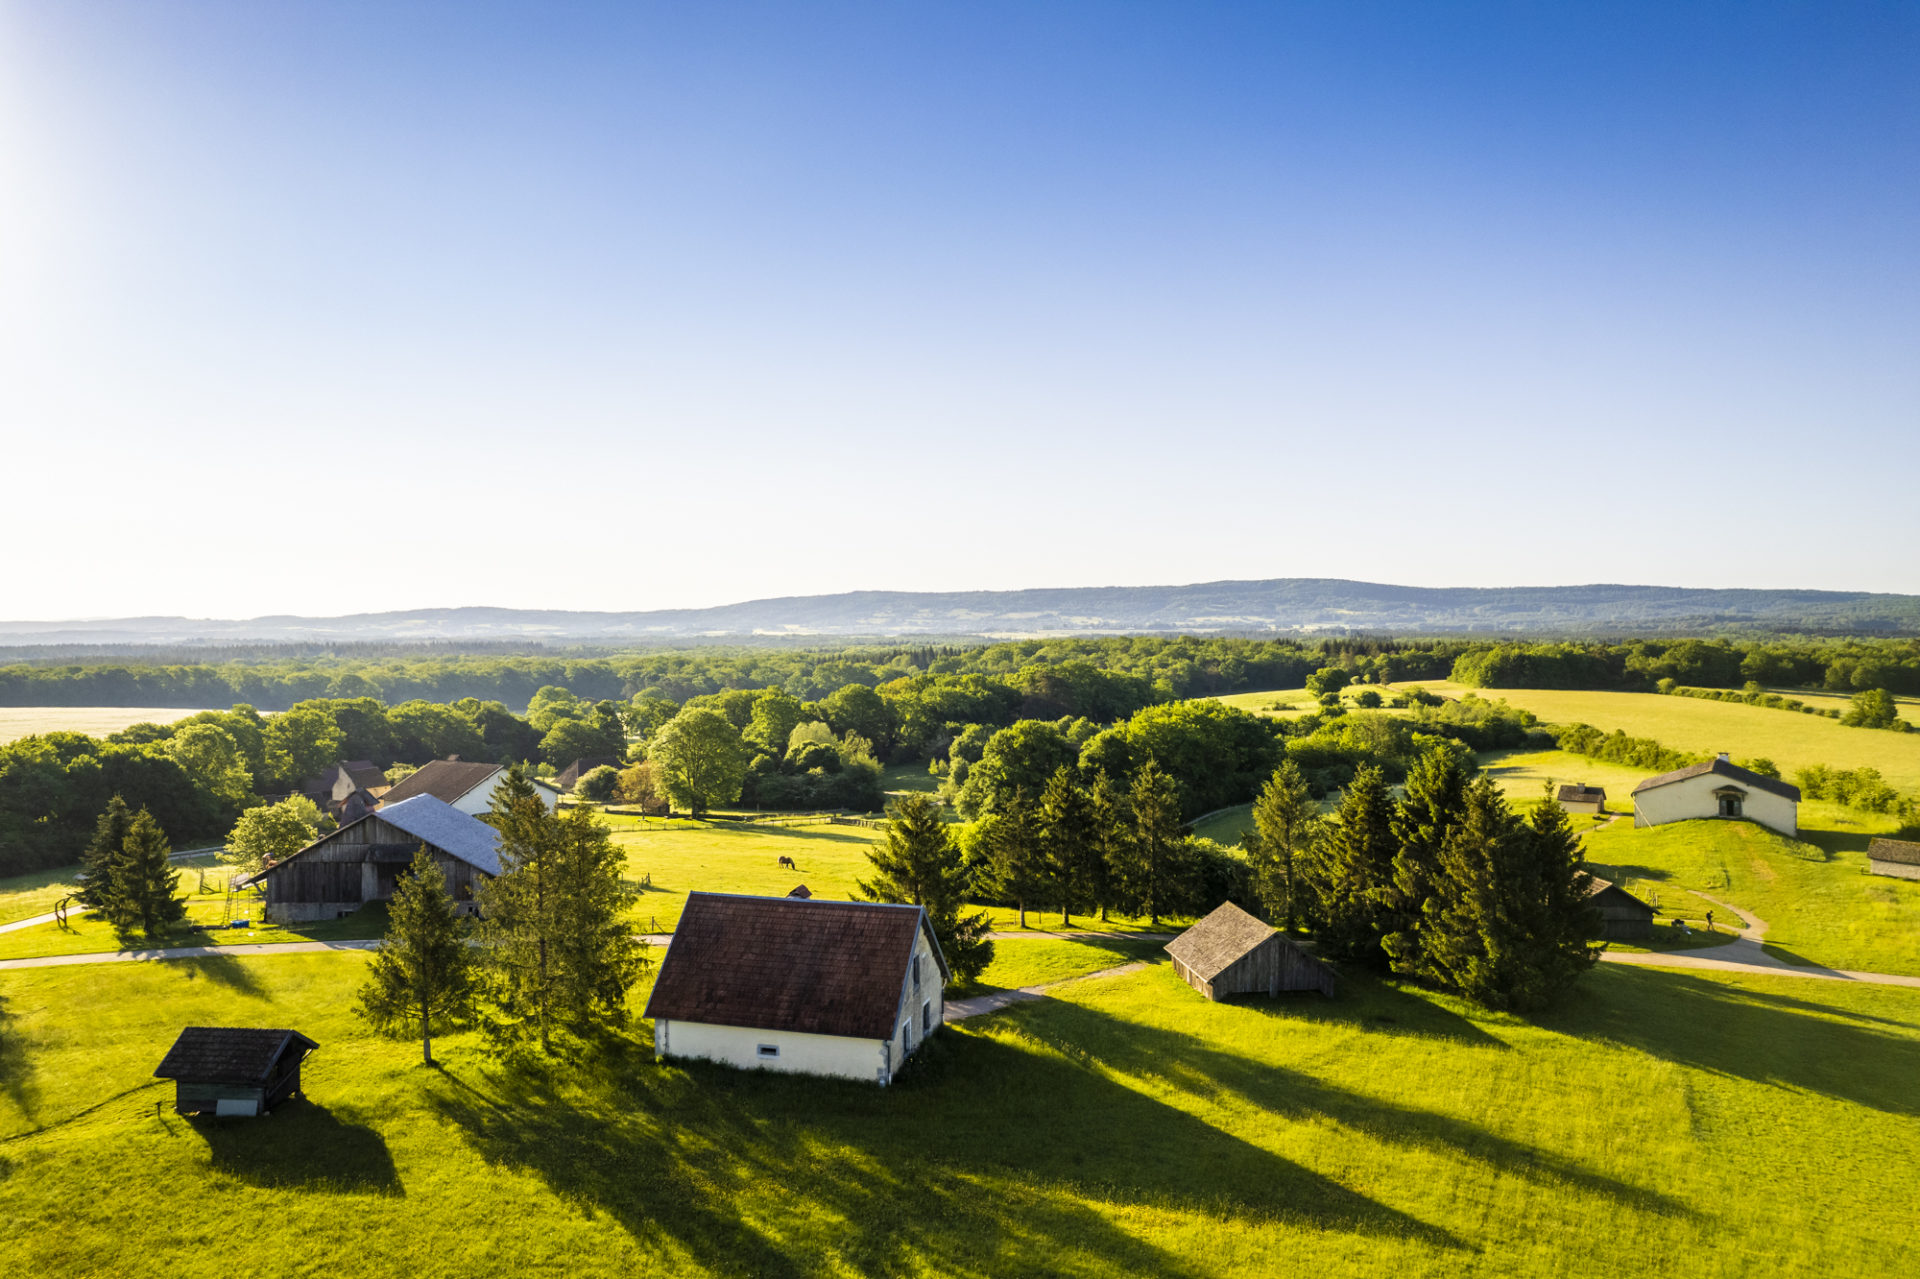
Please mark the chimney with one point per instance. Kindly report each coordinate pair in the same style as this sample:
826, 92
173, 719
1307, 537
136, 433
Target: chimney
1724, 759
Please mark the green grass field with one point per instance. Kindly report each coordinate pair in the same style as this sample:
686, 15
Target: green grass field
95, 721
1659, 1120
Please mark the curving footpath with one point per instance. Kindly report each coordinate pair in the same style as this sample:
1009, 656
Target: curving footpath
1746, 954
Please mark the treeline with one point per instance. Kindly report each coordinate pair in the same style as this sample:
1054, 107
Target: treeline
1841, 666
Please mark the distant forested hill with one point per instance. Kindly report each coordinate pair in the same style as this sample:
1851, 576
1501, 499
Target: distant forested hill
1282, 605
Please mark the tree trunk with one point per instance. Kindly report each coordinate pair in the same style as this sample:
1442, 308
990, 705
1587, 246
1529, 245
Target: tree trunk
1023, 914
426, 1034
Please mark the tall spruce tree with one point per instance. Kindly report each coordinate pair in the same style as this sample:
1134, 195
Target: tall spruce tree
1016, 852
96, 890
1070, 840
1432, 801
1350, 871
558, 951
919, 862
1151, 868
145, 884
1286, 822
423, 974
1112, 833
1508, 925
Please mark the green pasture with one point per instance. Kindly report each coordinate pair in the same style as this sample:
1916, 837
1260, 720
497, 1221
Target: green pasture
1788, 738
1040, 960
1283, 701
95, 721
1124, 1127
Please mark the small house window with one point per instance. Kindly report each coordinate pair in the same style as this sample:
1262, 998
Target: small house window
768, 1052
916, 973
926, 1018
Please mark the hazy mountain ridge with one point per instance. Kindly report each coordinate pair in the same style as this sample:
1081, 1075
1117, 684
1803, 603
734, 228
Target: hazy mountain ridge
1282, 605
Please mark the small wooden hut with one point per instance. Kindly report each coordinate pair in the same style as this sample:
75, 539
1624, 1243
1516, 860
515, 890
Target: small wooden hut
1583, 799
1232, 953
1623, 916
231, 1070
1899, 858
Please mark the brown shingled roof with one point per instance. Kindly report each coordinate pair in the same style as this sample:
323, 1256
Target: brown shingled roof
1725, 769
446, 780
229, 1054
1582, 795
1218, 941
1904, 851
780, 963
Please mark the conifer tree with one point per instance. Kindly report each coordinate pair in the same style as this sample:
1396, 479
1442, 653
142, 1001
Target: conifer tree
919, 862
1350, 871
596, 957
1015, 852
1286, 822
145, 884
1067, 833
423, 973
1112, 833
1432, 801
1150, 870
109, 835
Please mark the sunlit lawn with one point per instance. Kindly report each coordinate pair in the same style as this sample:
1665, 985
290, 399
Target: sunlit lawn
1125, 1127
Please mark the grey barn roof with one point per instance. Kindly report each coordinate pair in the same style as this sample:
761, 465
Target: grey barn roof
1904, 851
1725, 769
447, 828
1214, 944
229, 1054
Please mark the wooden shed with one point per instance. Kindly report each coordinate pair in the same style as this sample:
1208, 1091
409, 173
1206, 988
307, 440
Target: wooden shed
1232, 953
232, 1070
359, 863
1583, 799
1623, 916
1899, 858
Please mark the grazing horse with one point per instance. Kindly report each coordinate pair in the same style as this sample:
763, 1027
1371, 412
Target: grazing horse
788, 862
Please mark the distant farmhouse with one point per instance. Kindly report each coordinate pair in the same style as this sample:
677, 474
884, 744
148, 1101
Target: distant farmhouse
1583, 799
1899, 858
569, 777
338, 873
233, 1070
1718, 788
1232, 953
348, 780
847, 989
467, 787
1623, 916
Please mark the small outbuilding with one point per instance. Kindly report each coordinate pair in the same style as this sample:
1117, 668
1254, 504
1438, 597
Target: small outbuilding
232, 1070
1623, 916
1899, 858
1232, 953
1583, 799
848, 989
1718, 788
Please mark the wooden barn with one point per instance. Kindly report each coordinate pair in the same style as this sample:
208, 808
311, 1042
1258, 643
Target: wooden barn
1232, 953
232, 1070
338, 873
1583, 799
1623, 916
1899, 858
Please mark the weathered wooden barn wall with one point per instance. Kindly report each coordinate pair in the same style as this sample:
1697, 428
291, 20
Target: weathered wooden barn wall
356, 865
1274, 966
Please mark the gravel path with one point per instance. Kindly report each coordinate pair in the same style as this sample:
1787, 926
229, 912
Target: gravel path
1746, 954
994, 1001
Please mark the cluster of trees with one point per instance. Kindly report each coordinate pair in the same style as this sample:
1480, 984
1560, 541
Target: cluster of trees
1447, 884
53, 786
1840, 666
1874, 708
554, 951
1749, 694
1862, 788
128, 878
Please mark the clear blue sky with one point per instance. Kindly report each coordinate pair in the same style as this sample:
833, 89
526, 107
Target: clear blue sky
336, 307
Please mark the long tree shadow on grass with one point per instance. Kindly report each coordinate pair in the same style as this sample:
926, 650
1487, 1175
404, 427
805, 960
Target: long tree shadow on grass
1197, 1067
224, 970
988, 1160
1732, 1029
301, 1146
16, 1064
1368, 1003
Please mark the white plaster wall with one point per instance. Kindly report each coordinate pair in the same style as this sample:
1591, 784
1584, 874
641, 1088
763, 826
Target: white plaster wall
1898, 870
1693, 799
478, 802
835, 1055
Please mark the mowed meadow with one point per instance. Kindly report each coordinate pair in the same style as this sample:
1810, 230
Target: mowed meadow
1122, 1127
95, 721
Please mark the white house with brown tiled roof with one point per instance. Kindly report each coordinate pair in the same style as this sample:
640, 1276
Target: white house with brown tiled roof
849, 989
1718, 788
468, 787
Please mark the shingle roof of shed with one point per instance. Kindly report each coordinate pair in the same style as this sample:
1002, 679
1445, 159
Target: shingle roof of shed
1581, 794
1218, 941
1725, 769
444, 779
229, 1054
1598, 887
784, 964
1904, 851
